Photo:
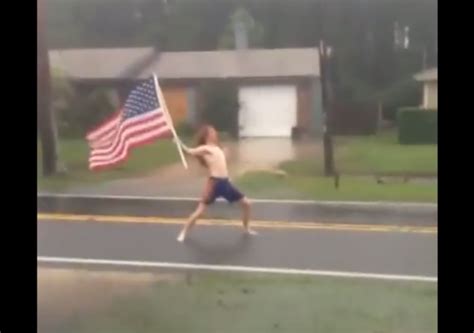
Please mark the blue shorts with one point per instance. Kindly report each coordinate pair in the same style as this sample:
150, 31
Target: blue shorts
222, 188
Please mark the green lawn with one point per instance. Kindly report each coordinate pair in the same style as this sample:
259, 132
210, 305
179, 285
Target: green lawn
368, 155
358, 160
257, 303
269, 186
75, 154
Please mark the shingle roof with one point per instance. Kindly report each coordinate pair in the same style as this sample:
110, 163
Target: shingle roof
428, 75
115, 63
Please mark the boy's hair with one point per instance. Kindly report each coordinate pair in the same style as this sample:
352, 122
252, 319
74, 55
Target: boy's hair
201, 135
201, 139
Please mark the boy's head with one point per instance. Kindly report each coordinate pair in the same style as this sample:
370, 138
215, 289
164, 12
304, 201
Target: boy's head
207, 135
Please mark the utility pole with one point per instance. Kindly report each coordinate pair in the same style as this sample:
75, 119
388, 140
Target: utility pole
45, 116
327, 102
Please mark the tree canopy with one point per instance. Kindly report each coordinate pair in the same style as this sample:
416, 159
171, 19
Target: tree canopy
379, 44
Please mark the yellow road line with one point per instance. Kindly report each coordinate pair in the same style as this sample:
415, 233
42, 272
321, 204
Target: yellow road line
222, 222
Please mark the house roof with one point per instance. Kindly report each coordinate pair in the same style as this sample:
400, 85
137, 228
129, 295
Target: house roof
125, 63
428, 75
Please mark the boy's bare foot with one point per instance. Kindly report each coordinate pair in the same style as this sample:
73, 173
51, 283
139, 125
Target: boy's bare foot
250, 232
181, 237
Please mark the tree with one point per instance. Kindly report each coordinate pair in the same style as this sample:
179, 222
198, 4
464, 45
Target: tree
253, 29
45, 116
361, 32
220, 106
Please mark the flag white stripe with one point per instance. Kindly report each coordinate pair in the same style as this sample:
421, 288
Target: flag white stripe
124, 135
134, 140
108, 142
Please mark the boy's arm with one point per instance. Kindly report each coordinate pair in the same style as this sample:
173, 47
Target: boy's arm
192, 151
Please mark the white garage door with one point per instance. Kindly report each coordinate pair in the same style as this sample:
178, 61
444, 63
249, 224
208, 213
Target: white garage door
267, 111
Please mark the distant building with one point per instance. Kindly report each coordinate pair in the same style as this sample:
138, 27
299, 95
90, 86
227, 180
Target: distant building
278, 89
429, 78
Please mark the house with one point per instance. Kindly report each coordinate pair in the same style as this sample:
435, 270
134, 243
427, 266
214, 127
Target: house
429, 78
278, 89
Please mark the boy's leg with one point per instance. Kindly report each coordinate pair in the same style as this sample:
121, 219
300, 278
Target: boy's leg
191, 221
207, 198
232, 194
245, 204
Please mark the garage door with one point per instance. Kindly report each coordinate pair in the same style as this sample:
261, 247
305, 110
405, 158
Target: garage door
267, 111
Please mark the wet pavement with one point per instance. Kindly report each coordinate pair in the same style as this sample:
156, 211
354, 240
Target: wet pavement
332, 250
267, 210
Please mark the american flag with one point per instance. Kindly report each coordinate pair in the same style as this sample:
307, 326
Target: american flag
141, 120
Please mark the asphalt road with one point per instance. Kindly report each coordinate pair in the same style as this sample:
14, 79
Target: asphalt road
338, 249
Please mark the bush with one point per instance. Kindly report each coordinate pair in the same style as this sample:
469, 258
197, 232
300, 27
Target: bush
62, 92
63, 100
77, 113
185, 130
404, 92
86, 112
99, 105
417, 126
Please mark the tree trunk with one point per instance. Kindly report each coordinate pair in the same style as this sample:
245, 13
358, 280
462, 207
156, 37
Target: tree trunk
45, 116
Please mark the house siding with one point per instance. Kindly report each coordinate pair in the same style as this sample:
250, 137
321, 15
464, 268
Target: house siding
304, 106
177, 102
430, 95
310, 113
185, 100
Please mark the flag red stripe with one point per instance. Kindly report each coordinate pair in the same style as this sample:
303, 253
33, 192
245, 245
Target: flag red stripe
105, 126
125, 137
133, 125
134, 142
102, 143
105, 137
125, 128
100, 167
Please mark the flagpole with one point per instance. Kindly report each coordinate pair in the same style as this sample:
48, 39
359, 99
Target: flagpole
161, 99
